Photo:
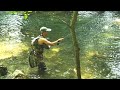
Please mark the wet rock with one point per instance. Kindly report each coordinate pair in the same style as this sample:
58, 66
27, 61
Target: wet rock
3, 70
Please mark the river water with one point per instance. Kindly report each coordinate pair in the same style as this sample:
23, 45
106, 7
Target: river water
10, 33
98, 37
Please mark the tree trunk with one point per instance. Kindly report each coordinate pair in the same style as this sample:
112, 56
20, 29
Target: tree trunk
75, 43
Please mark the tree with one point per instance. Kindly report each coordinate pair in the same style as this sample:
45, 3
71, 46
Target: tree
75, 43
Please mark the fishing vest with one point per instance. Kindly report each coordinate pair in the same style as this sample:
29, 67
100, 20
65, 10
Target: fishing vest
37, 47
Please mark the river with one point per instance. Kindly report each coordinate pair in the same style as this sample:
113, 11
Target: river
97, 35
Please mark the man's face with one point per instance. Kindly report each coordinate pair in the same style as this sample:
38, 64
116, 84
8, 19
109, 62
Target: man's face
45, 34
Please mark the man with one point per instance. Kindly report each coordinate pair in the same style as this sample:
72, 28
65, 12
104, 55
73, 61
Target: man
39, 44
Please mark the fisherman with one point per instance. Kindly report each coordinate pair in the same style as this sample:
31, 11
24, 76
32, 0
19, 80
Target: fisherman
39, 44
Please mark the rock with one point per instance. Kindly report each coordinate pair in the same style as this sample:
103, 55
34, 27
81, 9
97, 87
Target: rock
115, 38
3, 70
116, 21
18, 74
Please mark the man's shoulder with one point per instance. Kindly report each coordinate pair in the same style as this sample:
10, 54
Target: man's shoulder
42, 38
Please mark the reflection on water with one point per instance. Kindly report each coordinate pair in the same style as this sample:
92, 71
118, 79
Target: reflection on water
10, 35
10, 28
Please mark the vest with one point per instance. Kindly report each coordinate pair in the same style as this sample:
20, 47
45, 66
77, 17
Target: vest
37, 47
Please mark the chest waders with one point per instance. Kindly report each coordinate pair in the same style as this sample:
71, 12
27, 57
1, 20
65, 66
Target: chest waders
36, 56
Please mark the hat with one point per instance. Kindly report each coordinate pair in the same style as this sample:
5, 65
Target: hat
44, 29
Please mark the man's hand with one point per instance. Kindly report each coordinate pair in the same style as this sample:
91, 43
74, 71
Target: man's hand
60, 39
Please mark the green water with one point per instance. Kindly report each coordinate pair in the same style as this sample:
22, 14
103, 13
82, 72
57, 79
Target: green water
96, 34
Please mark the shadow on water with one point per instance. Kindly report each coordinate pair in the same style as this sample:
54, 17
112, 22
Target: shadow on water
98, 38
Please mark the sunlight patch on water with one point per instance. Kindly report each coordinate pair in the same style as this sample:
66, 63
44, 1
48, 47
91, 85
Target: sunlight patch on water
52, 52
55, 49
89, 54
108, 35
105, 27
87, 13
88, 74
8, 50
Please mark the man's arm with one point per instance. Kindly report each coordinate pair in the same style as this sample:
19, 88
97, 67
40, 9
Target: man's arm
45, 41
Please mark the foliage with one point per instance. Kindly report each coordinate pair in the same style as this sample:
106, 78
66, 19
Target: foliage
25, 14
